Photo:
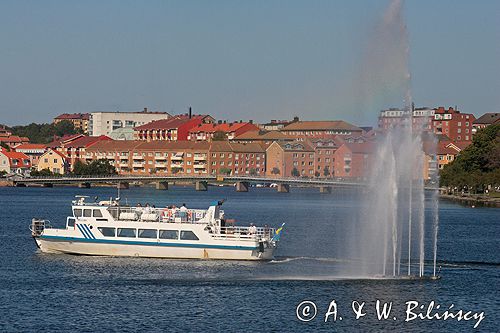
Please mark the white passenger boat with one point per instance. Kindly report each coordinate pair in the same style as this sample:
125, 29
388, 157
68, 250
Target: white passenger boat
110, 229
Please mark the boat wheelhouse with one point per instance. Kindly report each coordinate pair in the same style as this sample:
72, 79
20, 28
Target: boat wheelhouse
108, 228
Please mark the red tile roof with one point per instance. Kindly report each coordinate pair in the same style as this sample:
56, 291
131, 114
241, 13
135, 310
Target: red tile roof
320, 126
226, 127
86, 141
13, 138
171, 123
66, 116
488, 118
30, 146
361, 148
64, 140
14, 155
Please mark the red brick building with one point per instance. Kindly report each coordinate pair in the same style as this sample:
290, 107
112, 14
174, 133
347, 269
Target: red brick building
290, 159
455, 125
237, 159
173, 129
352, 160
320, 129
205, 132
75, 149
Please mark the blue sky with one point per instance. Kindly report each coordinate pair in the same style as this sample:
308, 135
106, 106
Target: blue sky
257, 60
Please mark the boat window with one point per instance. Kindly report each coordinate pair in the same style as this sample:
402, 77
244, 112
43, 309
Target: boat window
71, 222
87, 212
126, 232
108, 232
169, 234
77, 212
147, 233
97, 213
188, 235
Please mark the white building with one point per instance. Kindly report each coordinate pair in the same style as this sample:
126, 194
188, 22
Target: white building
103, 123
422, 117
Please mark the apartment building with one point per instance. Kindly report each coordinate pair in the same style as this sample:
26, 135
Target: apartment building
79, 120
103, 122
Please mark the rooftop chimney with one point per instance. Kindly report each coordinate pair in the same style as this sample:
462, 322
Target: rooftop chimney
145, 110
190, 113
295, 118
250, 121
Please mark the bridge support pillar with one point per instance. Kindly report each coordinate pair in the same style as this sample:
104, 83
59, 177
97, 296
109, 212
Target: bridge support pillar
162, 185
84, 185
201, 186
242, 186
123, 185
283, 188
48, 185
325, 189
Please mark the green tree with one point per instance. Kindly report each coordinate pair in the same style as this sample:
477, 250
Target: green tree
4, 146
326, 171
44, 133
219, 136
295, 172
478, 165
225, 171
252, 172
44, 173
100, 167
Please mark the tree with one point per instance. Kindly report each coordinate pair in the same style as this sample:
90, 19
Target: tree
44, 133
44, 173
4, 146
275, 171
478, 165
100, 167
326, 171
219, 136
295, 172
225, 171
253, 172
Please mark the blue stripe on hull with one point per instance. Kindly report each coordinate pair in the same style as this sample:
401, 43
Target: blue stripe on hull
121, 242
84, 233
86, 227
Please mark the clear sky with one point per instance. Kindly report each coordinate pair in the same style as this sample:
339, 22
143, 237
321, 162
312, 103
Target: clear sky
232, 59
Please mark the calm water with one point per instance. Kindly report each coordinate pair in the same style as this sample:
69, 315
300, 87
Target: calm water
41, 292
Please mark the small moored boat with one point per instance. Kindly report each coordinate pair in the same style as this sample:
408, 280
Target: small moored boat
109, 229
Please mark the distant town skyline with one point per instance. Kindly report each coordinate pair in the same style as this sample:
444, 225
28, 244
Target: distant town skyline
237, 60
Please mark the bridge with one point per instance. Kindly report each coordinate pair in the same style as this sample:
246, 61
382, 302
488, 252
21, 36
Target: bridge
201, 182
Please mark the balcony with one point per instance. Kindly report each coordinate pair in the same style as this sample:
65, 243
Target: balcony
200, 166
177, 165
160, 158
177, 157
138, 157
200, 157
138, 165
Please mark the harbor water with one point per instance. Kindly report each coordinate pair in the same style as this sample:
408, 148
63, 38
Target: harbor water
61, 293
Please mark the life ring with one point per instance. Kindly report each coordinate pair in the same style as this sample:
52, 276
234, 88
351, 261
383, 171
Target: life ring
189, 214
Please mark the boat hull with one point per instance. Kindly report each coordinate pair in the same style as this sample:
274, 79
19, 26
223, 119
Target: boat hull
151, 249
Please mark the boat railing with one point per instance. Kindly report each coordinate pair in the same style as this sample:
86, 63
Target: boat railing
237, 233
38, 226
149, 214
